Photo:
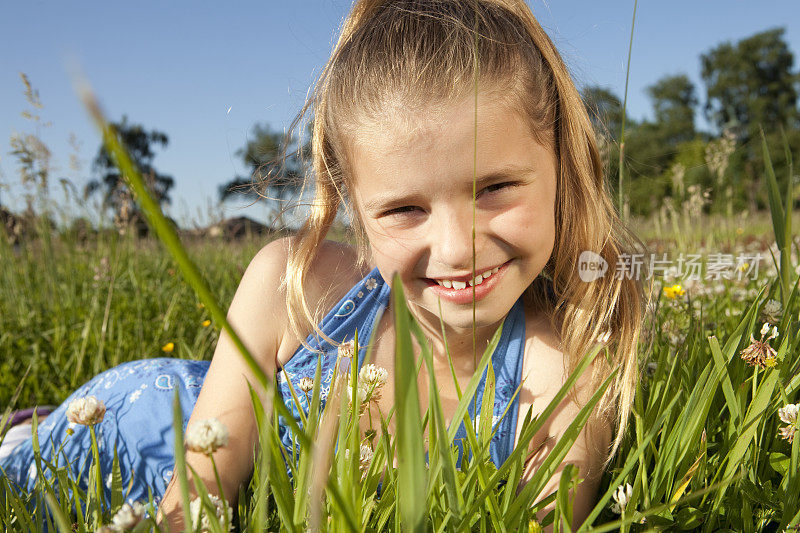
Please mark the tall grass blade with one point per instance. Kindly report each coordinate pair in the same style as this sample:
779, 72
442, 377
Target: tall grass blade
445, 463
633, 458
569, 477
559, 451
61, 519
727, 387
460, 414
621, 203
410, 454
180, 458
779, 218
529, 430
166, 233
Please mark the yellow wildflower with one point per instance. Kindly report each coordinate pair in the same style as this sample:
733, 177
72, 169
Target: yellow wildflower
206, 323
168, 347
674, 291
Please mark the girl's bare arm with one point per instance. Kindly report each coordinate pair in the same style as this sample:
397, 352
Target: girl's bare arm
587, 453
257, 314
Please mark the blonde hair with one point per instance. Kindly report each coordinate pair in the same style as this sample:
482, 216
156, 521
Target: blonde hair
420, 53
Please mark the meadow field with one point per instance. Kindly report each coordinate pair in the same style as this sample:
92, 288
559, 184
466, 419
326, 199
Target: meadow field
710, 445
704, 451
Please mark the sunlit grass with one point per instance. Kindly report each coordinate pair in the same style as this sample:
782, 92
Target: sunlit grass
703, 451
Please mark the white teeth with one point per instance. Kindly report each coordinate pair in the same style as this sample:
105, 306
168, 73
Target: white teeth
480, 278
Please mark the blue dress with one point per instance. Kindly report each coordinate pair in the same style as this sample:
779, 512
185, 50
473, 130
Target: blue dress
138, 397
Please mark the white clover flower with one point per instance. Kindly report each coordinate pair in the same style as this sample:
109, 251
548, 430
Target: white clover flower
86, 411
765, 328
128, 516
361, 389
206, 436
347, 349
788, 414
787, 433
305, 384
621, 497
200, 517
373, 375
366, 455
772, 310
774, 333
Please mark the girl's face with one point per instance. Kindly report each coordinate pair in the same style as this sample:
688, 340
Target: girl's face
413, 188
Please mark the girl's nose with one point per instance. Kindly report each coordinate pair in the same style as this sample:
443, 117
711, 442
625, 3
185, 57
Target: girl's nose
452, 239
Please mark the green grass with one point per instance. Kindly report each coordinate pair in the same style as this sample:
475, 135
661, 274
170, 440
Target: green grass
68, 326
702, 452
56, 317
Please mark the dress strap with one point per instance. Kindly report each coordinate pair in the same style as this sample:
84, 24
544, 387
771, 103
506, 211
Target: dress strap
358, 311
507, 367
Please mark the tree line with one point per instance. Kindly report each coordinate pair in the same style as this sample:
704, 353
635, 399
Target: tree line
750, 86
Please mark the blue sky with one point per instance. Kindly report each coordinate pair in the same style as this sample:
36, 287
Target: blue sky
204, 73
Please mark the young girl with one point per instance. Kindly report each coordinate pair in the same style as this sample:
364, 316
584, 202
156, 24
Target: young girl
411, 112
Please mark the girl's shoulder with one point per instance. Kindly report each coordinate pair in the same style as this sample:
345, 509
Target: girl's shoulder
334, 270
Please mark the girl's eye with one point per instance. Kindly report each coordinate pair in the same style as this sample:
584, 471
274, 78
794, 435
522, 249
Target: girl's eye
498, 186
400, 210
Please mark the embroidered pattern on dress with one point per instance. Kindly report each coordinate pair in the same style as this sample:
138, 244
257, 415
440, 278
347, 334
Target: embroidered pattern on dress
164, 382
348, 307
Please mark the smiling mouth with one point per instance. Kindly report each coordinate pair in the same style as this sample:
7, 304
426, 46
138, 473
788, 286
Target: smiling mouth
463, 282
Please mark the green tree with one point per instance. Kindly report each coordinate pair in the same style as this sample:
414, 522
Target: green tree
652, 146
674, 104
751, 84
116, 195
605, 110
276, 164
